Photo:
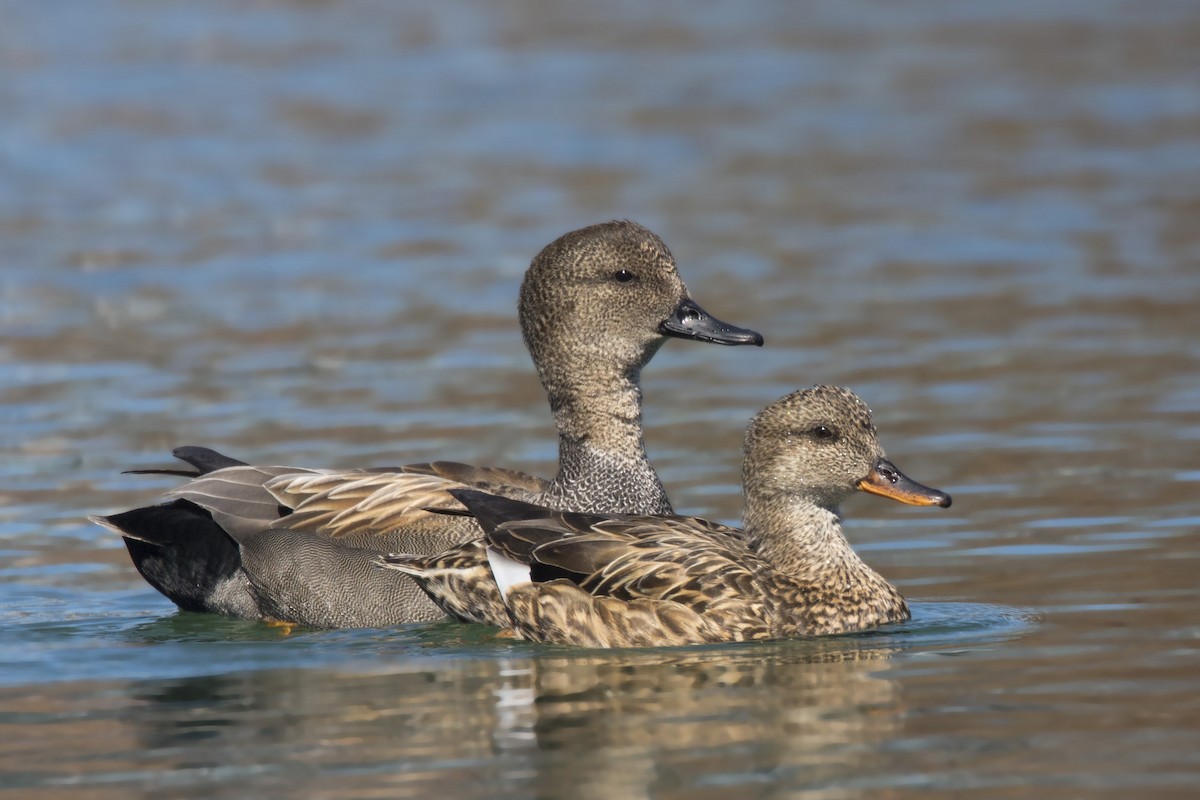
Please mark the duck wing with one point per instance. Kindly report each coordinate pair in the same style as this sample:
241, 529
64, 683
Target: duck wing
485, 479
627, 558
622, 580
245, 499
237, 497
353, 503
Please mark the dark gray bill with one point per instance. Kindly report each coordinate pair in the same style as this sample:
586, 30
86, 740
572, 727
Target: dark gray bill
690, 321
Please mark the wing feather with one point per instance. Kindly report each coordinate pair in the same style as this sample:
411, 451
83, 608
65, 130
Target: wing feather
236, 497
342, 503
494, 480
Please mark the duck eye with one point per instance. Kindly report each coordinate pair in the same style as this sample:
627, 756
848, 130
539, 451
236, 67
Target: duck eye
624, 276
824, 433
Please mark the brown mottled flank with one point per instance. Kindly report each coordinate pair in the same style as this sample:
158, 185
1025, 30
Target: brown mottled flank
299, 545
459, 581
636, 581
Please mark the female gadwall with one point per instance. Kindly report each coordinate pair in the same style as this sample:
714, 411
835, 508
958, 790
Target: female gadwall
298, 545
638, 581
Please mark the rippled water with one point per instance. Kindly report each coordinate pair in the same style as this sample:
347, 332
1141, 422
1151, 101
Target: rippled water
294, 231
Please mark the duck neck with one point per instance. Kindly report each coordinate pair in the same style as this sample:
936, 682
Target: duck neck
602, 463
804, 543
799, 538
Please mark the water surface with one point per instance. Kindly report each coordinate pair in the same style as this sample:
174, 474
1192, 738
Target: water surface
294, 231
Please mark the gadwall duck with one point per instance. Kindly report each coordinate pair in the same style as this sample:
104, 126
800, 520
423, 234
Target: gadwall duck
600, 580
297, 545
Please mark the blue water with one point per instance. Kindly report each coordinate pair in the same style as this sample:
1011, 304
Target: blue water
294, 231
43, 641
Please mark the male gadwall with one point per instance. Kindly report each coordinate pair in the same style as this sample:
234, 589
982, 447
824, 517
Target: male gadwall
637, 581
297, 545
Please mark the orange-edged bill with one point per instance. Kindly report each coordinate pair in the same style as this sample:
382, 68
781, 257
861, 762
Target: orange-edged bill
887, 481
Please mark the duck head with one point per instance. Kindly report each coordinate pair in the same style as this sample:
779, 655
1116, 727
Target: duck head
820, 445
611, 294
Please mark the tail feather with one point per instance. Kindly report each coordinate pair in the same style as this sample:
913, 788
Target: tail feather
203, 459
179, 473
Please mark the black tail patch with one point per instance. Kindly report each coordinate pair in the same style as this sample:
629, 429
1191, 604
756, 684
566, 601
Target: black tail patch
179, 550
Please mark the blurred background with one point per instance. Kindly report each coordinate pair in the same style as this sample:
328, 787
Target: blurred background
294, 231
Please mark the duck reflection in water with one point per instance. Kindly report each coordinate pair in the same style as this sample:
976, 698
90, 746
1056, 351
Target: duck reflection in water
508, 720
